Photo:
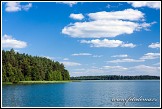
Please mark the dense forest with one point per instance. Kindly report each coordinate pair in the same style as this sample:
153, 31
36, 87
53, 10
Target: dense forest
116, 77
23, 67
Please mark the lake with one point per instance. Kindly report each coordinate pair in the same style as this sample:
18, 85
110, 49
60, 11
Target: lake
93, 93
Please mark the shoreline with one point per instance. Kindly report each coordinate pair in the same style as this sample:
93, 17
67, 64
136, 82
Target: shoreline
55, 82
36, 82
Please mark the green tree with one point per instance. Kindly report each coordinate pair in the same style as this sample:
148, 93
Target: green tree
18, 67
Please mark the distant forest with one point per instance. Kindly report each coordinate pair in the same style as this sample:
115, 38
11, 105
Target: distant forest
23, 67
116, 77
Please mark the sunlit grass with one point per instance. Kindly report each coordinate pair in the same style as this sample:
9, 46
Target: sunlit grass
43, 82
40, 82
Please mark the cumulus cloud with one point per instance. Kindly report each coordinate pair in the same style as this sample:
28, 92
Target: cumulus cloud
107, 43
97, 56
108, 24
142, 59
10, 42
130, 45
145, 26
128, 14
66, 59
81, 54
120, 56
69, 3
125, 60
118, 70
87, 54
108, 6
93, 71
155, 5
27, 7
145, 69
154, 45
77, 16
115, 67
70, 64
49, 57
113, 6
15, 6
150, 56
99, 28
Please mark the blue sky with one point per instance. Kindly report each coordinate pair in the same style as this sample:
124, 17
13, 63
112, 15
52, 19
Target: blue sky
90, 38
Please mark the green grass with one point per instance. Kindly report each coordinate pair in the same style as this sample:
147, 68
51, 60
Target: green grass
7, 83
42, 82
76, 80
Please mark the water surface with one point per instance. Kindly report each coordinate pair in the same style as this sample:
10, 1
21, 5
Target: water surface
81, 94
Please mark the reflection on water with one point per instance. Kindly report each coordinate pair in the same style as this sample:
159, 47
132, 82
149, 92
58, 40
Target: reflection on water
80, 94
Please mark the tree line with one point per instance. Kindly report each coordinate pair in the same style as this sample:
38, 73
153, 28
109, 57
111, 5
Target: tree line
23, 67
116, 77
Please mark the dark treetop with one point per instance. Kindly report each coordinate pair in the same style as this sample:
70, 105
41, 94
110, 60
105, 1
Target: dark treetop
116, 77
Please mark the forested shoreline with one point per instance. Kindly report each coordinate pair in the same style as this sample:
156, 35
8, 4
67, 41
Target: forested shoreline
23, 67
116, 77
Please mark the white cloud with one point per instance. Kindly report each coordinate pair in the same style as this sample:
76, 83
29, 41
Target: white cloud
80, 69
86, 54
118, 70
142, 59
15, 6
127, 14
125, 60
115, 67
92, 71
66, 59
77, 16
155, 5
70, 64
145, 26
97, 56
99, 28
145, 69
130, 45
69, 3
27, 7
154, 45
150, 56
81, 54
107, 43
9, 42
113, 6
48, 57
120, 56
108, 24
108, 6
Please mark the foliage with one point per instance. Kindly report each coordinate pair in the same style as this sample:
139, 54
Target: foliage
23, 67
116, 77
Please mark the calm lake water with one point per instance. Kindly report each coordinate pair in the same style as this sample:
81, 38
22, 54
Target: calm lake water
82, 94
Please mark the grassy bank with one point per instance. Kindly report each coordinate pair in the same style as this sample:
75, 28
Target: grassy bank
36, 82
41, 82
7, 83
